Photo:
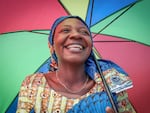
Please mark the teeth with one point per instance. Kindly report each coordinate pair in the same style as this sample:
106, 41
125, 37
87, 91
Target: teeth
75, 46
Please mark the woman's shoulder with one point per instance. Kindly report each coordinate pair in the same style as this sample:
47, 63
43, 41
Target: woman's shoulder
34, 79
117, 79
108, 64
38, 78
34, 76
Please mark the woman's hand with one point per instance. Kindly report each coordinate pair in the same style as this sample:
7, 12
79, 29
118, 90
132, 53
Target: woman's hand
110, 110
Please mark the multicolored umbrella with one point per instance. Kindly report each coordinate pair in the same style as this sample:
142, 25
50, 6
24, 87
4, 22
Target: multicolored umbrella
120, 31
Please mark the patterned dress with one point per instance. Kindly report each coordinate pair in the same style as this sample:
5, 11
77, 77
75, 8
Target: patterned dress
35, 93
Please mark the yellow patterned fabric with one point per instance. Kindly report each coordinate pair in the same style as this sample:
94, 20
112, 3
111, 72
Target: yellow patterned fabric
36, 94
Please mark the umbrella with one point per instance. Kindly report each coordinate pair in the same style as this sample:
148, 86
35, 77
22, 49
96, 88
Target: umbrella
16, 45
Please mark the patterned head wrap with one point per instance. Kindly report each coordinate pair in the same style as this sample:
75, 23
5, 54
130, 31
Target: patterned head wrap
90, 67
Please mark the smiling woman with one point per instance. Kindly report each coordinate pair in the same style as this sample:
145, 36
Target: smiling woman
72, 40
73, 79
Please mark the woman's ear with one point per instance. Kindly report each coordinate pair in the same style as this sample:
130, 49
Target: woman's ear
51, 48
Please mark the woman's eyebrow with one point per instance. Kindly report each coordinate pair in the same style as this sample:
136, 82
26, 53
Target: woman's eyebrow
67, 25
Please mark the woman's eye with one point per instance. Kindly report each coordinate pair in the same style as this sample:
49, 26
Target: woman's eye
84, 32
65, 30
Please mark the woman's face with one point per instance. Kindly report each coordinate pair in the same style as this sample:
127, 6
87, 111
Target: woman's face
72, 41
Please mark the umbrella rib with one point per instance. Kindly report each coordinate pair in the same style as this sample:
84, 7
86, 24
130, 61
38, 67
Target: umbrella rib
32, 31
91, 13
38, 32
67, 11
112, 41
113, 20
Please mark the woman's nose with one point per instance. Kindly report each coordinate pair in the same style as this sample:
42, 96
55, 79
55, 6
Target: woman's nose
75, 35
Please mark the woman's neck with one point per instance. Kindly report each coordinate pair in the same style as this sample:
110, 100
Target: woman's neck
71, 73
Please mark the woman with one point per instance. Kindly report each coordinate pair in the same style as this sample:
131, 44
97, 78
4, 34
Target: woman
73, 74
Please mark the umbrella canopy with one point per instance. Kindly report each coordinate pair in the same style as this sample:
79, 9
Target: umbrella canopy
28, 15
24, 51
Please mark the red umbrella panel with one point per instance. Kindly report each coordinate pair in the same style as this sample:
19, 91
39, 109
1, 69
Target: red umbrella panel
29, 15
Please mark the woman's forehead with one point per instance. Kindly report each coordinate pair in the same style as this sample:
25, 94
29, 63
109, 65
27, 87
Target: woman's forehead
72, 21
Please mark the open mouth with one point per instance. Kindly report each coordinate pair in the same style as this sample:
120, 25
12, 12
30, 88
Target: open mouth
75, 47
